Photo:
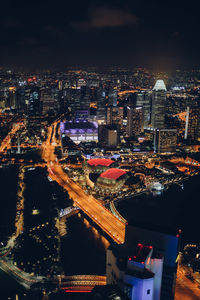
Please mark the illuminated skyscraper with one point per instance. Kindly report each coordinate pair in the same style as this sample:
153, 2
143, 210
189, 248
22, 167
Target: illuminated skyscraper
47, 101
165, 140
108, 135
144, 101
192, 125
115, 115
34, 109
134, 121
158, 105
112, 96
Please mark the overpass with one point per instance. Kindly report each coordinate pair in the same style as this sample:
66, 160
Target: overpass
68, 211
81, 283
23, 278
87, 203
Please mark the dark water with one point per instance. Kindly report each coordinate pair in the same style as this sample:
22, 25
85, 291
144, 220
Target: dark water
172, 210
8, 192
83, 250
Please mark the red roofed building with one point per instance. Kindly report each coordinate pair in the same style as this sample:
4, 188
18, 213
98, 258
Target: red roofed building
112, 179
106, 162
113, 173
99, 165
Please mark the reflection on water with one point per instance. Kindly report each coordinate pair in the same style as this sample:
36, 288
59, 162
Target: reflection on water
83, 250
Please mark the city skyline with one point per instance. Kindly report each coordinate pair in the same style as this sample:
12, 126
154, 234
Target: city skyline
99, 150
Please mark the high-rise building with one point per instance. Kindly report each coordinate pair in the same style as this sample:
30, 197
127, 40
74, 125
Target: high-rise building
108, 135
33, 109
12, 98
192, 125
101, 105
144, 101
134, 121
20, 99
85, 97
112, 96
165, 140
47, 101
115, 115
158, 105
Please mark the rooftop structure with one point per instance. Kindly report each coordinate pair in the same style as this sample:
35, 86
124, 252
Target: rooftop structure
113, 174
105, 162
80, 130
159, 86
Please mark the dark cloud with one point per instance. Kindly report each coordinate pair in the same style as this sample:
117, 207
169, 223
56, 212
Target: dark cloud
105, 17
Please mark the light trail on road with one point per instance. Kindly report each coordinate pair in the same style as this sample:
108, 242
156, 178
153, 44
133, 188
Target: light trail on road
91, 206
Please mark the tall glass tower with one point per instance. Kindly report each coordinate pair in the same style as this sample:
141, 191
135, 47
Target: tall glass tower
158, 105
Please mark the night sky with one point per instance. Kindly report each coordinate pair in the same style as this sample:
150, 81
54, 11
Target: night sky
159, 34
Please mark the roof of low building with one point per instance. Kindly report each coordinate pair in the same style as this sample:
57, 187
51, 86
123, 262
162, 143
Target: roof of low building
113, 173
100, 162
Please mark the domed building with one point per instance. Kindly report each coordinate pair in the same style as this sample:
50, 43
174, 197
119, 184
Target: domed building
112, 179
99, 165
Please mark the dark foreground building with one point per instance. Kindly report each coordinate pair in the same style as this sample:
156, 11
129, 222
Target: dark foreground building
167, 245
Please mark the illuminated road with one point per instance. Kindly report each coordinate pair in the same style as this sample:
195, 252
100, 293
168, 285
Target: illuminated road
20, 276
97, 212
185, 288
6, 142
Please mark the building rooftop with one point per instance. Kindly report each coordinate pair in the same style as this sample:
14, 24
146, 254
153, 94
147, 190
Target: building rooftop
100, 162
159, 86
107, 292
113, 173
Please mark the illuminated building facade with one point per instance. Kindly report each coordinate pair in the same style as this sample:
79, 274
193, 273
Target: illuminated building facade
134, 121
165, 140
80, 131
115, 115
109, 135
192, 125
99, 165
101, 105
33, 108
47, 101
112, 179
112, 96
158, 105
144, 101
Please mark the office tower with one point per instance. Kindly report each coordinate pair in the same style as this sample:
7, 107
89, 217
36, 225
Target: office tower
33, 109
112, 96
192, 125
115, 115
20, 99
12, 98
108, 135
47, 101
101, 105
85, 98
165, 140
60, 85
158, 105
143, 100
134, 121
